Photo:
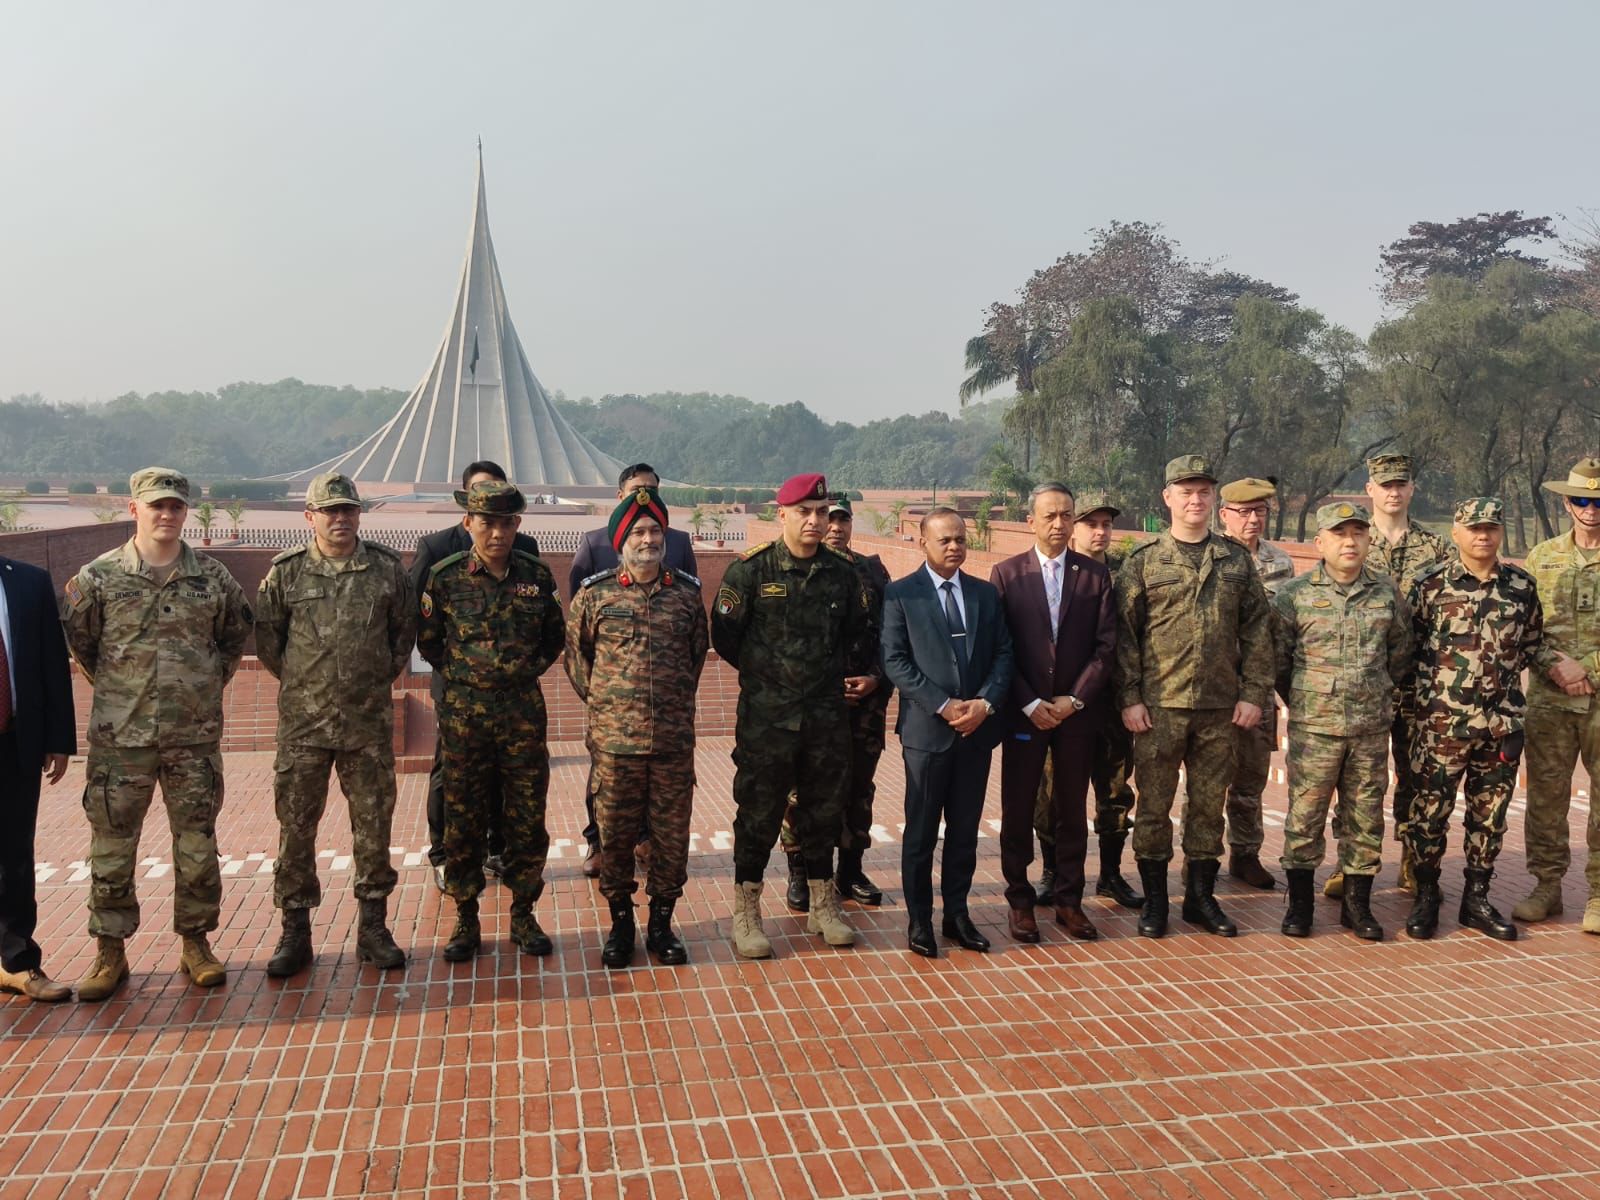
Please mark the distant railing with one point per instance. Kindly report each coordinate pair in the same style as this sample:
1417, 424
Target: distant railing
553, 541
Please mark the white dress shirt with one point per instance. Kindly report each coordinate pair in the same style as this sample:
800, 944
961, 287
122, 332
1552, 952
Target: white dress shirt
1055, 612
11, 645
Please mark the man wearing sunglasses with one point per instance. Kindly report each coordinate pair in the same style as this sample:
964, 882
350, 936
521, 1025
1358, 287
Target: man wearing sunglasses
1563, 723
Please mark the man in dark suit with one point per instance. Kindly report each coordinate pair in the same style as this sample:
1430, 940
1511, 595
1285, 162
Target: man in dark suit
946, 647
1063, 620
435, 548
596, 554
37, 734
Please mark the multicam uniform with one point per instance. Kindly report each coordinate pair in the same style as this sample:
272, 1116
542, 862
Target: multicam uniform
491, 639
159, 655
634, 655
336, 632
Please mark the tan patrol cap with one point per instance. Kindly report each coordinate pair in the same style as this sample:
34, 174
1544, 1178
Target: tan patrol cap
333, 491
158, 483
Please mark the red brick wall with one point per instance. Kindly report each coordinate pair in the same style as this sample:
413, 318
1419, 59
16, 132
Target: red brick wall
62, 551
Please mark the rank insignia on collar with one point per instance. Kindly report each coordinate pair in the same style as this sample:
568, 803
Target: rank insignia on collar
666, 579
624, 579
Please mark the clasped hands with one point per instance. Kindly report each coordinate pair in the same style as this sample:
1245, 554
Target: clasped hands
1047, 714
1136, 717
1570, 676
964, 716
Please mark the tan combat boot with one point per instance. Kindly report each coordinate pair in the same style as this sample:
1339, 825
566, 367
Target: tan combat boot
1544, 901
825, 916
1591, 915
202, 967
109, 970
748, 940
1408, 877
1333, 887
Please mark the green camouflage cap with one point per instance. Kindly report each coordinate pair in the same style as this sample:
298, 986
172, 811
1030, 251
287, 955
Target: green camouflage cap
1093, 502
158, 483
1481, 510
1331, 516
839, 502
332, 491
1189, 466
1389, 468
493, 498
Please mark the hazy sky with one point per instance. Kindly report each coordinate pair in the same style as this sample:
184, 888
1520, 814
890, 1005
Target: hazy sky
807, 202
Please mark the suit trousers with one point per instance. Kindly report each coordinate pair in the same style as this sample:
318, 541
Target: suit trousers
948, 784
19, 913
1022, 763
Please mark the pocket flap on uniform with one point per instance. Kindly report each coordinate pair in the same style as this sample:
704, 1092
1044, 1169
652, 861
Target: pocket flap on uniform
1315, 681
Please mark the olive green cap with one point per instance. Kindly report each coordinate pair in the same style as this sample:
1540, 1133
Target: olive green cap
1093, 502
493, 498
333, 491
1331, 516
158, 483
1189, 466
1481, 510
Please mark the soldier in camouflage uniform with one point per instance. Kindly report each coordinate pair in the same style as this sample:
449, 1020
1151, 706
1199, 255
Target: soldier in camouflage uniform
491, 624
335, 623
794, 618
1194, 664
867, 698
1344, 647
158, 630
1092, 531
1244, 516
1401, 549
1478, 625
636, 643
1563, 718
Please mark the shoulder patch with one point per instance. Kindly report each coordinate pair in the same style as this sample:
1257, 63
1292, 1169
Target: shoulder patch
74, 594
755, 550
292, 552
597, 577
728, 601
448, 562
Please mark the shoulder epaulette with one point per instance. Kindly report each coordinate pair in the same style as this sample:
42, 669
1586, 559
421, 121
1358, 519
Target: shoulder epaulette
694, 579
755, 550
847, 555
448, 561
1429, 571
380, 548
286, 555
597, 577
1516, 570
533, 558
1140, 548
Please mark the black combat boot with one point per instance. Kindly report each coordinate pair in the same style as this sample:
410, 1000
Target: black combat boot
1153, 916
618, 951
374, 943
1355, 911
852, 881
1424, 918
798, 897
1200, 905
293, 952
525, 930
1302, 899
659, 939
466, 936
1111, 883
1477, 912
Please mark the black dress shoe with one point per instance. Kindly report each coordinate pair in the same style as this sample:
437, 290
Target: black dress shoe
959, 928
919, 939
863, 891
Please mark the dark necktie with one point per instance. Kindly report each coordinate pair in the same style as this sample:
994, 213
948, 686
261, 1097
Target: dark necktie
5, 688
958, 631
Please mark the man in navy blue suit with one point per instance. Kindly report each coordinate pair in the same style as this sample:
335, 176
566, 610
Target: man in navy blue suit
946, 647
36, 735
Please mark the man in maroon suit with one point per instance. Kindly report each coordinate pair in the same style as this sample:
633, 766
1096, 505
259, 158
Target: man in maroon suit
1063, 620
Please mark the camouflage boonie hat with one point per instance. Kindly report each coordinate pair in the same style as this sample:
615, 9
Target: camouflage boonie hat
1093, 502
493, 498
333, 491
1582, 480
158, 483
1243, 491
1189, 466
1389, 468
1481, 510
1331, 516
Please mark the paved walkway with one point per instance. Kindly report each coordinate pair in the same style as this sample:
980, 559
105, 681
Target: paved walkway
1188, 1067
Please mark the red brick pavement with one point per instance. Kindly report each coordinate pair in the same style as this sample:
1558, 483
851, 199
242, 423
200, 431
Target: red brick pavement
1188, 1067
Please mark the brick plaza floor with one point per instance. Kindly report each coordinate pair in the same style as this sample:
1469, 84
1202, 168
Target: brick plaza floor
1191, 1066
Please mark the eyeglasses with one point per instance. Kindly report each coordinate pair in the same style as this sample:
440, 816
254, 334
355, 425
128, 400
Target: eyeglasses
1259, 510
1583, 501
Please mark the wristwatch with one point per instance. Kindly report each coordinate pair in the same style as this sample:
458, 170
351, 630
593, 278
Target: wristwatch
1077, 705
987, 707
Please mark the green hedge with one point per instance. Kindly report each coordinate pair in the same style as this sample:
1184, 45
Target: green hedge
36, 487
84, 487
118, 487
248, 489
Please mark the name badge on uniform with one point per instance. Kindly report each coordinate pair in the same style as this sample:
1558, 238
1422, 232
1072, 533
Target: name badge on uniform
769, 590
1322, 604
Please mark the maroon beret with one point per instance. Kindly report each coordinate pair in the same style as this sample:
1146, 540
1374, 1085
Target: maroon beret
803, 487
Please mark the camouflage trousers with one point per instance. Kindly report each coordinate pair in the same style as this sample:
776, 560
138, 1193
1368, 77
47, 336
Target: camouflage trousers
628, 788
1439, 765
1405, 781
1557, 739
1202, 741
1108, 777
1319, 766
814, 761
494, 740
866, 748
1251, 768
300, 796
116, 795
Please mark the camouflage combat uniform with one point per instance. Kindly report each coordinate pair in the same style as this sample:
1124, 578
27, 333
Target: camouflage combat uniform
634, 655
1342, 651
1561, 729
1191, 643
1473, 641
159, 656
868, 724
491, 639
793, 629
336, 632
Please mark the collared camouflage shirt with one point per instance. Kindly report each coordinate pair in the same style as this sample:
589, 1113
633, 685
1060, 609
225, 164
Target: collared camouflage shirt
1274, 566
158, 655
1415, 551
1473, 639
1341, 653
1569, 593
496, 634
1192, 637
793, 629
336, 632
634, 655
